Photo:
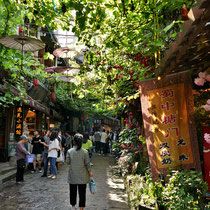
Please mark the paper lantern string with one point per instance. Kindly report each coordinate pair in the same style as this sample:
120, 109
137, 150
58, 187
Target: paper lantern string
56, 8
51, 31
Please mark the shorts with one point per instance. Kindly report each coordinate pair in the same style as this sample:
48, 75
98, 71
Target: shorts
38, 157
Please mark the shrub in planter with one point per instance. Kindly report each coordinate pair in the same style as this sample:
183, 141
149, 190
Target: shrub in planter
184, 190
142, 192
128, 139
129, 150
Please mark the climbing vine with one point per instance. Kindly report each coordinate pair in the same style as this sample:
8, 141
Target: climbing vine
125, 40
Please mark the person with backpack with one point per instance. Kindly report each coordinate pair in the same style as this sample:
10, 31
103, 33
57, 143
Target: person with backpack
79, 172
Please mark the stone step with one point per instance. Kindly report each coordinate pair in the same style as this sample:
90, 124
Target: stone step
7, 176
6, 169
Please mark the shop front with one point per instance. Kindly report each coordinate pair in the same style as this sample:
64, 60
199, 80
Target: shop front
23, 119
110, 123
3, 152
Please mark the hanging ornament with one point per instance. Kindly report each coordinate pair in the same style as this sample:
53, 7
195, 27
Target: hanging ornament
52, 96
20, 31
184, 13
36, 82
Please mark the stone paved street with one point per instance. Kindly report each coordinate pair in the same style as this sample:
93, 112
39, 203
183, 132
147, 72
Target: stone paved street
44, 193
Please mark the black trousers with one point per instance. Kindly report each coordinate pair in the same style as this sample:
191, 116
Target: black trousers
103, 147
73, 194
98, 146
20, 170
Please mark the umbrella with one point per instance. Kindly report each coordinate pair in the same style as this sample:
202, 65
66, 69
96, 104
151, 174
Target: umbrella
71, 71
58, 69
62, 69
65, 52
67, 78
22, 43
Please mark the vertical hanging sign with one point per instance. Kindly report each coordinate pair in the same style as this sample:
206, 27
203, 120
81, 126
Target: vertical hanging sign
206, 154
167, 108
19, 121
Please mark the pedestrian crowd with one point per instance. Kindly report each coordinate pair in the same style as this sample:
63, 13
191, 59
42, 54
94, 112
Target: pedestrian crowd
54, 148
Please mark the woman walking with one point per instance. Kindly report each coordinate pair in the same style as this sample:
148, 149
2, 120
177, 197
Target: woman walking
79, 172
52, 154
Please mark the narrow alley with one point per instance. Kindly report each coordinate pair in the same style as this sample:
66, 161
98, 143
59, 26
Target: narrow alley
44, 193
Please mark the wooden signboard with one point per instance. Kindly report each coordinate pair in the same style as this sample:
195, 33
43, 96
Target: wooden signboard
167, 107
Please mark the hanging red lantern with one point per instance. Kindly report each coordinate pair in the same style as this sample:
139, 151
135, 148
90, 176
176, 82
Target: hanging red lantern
184, 13
20, 31
52, 96
36, 82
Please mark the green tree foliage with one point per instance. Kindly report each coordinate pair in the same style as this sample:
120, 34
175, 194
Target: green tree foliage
124, 39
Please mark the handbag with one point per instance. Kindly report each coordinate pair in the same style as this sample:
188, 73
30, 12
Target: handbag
92, 185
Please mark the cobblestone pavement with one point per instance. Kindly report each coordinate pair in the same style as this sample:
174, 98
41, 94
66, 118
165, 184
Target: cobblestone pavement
44, 193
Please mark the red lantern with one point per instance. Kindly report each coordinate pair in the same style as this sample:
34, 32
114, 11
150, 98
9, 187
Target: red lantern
184, 13
20, 31
36, 82
52, 96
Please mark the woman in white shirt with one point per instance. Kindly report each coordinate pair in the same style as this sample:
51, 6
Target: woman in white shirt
52, 154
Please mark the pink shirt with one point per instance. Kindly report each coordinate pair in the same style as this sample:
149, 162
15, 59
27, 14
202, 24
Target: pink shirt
21, 151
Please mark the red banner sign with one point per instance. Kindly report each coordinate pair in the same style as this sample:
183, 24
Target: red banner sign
206, 154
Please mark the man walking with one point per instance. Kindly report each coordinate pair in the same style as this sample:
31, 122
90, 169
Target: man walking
103, 141
97, 139
46, 145
21, 153
37, 150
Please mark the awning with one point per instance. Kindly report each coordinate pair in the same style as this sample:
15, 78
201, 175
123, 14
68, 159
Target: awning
31, 102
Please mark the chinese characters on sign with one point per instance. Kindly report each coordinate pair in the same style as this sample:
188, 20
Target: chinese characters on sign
168, 114
19, 121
